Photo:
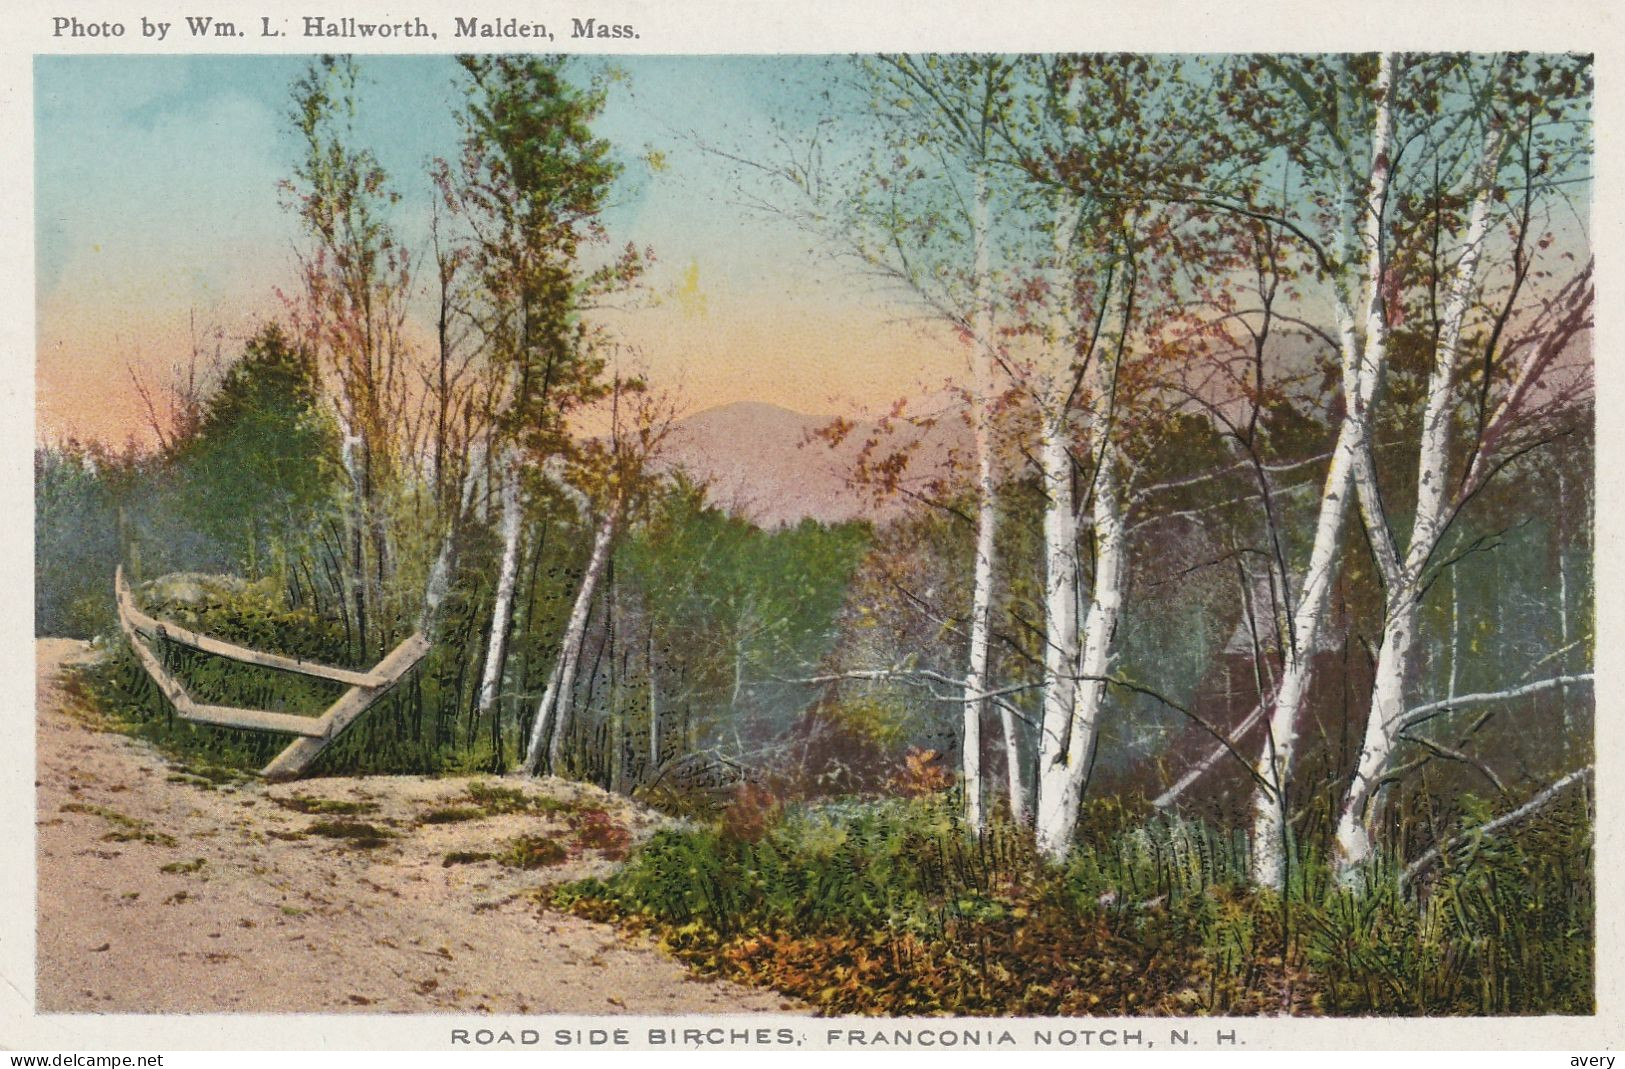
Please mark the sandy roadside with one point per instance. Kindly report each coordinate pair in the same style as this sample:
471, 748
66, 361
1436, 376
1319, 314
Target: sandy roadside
159, 894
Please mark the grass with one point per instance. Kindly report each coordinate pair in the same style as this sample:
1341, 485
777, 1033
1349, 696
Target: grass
179, 867
891, 908
214, 774
495, 800
391, 738
357, 833
533, 852
465, 857
301, 803
125, 828
452, 814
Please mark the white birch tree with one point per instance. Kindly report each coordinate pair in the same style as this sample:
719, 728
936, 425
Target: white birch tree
1335, 109
617, 472
1408, 576
923, 218
529, 186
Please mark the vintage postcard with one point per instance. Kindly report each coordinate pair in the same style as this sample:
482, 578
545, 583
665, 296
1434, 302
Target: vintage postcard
661, 529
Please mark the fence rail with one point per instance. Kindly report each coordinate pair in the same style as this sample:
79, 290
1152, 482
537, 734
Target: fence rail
315, 733
155, 628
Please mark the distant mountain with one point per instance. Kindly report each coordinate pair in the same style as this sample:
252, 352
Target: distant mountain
763, 462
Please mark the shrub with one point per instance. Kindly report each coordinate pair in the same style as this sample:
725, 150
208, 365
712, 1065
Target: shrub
890, 907
532, 852
595, 829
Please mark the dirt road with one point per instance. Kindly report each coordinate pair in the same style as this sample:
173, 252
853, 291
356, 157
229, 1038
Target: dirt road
160, 891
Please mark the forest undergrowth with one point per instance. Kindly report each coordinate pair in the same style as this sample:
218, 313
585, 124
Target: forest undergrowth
891, 908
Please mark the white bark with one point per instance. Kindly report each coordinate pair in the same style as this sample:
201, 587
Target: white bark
1362, 369
1422, 713
1063, 774
1060, 608
976, 680
496, 647
552, 723
355, 579
1355, 836
440, 573
1061, 570
1404, 579
1275, 764
1067, 744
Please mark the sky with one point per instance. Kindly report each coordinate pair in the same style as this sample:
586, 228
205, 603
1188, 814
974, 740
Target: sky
160, 221
161, 228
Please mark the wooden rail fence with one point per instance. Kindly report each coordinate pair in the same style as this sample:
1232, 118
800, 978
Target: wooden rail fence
315, 733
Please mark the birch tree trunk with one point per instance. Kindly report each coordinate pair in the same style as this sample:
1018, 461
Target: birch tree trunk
440, 574
1404, 579
1063, 774
1061, 566
552, 724
1274, 765
496, 647
1362, 370
976, 681
355, 526
1061, 571
1060, 627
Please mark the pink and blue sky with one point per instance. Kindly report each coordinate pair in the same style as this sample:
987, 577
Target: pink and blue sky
158, 213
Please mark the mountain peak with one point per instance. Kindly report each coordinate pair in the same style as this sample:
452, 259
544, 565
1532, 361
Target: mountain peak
757, 460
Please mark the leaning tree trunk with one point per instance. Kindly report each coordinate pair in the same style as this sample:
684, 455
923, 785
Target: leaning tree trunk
553, 716
1274, 765
445, 560
496, 647
355, 526
1361, 375
1355, 834
1405, 580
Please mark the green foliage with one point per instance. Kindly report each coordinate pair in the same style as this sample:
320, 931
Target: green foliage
250, 614
395, 735
533, 852
889, 907
1507, 927
532, 182
258, 475
75, 542
451, 814
359, 834
891, 864
125, 828
495, 799
749, 605
243, 489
